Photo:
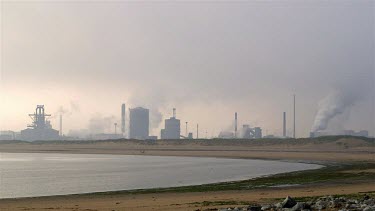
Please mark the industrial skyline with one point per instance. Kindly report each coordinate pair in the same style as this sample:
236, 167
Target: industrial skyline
139, 128
187, 105
245, 57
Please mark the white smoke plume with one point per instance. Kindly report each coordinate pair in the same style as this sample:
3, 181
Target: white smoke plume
156, 117
62, 111
101, 124
333, 105
152, 100
73, 108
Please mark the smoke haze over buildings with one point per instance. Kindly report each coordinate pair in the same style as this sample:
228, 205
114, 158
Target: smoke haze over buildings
331, 106
101, 124
206, 59
356, 87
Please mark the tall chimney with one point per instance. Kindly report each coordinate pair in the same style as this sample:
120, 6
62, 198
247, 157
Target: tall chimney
235, 124
197, 131
174, 113
284, 124
61, 132
294, 116
123, 119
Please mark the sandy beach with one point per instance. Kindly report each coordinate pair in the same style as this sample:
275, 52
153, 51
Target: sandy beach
342, 150
175, 201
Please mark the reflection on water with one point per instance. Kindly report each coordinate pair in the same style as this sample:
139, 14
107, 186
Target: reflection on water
41, 174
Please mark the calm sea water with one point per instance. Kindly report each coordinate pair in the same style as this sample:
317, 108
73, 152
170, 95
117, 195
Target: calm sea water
43, 174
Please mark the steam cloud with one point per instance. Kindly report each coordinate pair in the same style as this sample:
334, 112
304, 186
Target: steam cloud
74, 107
334, 104
101, 124
153, 101
156, 117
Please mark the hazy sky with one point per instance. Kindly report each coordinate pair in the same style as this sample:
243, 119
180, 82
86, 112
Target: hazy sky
207, 59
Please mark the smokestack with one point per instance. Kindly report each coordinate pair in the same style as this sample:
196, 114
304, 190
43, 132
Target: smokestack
174, 113
284, 124
294, 116
61, 133
197, 131
235, 124
186, 131
123, 119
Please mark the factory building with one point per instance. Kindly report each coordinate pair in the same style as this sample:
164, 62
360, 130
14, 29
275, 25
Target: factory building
172, 128
245, 133
7, 135
152, 138
226, 135
257, 132
40, 129
251, 133
105, 136
139, 123
363, 133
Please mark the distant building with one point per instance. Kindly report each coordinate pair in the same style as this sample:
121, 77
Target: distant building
79, 133
7, 135
257, 132
226, 135
17, 135
363, 133
153, 138
172, 128
40, 129
347, 133
139, 123
247, 133
105, 136
251, 133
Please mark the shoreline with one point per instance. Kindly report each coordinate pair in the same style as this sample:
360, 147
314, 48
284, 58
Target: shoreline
319, 164
206, 195
182, 201
349, 169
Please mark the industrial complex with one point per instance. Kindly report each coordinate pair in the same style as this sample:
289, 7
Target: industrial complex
41, 128
172, 128
139, 120
139, 128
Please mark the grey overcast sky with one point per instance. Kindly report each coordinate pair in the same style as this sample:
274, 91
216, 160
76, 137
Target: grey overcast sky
207, 59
